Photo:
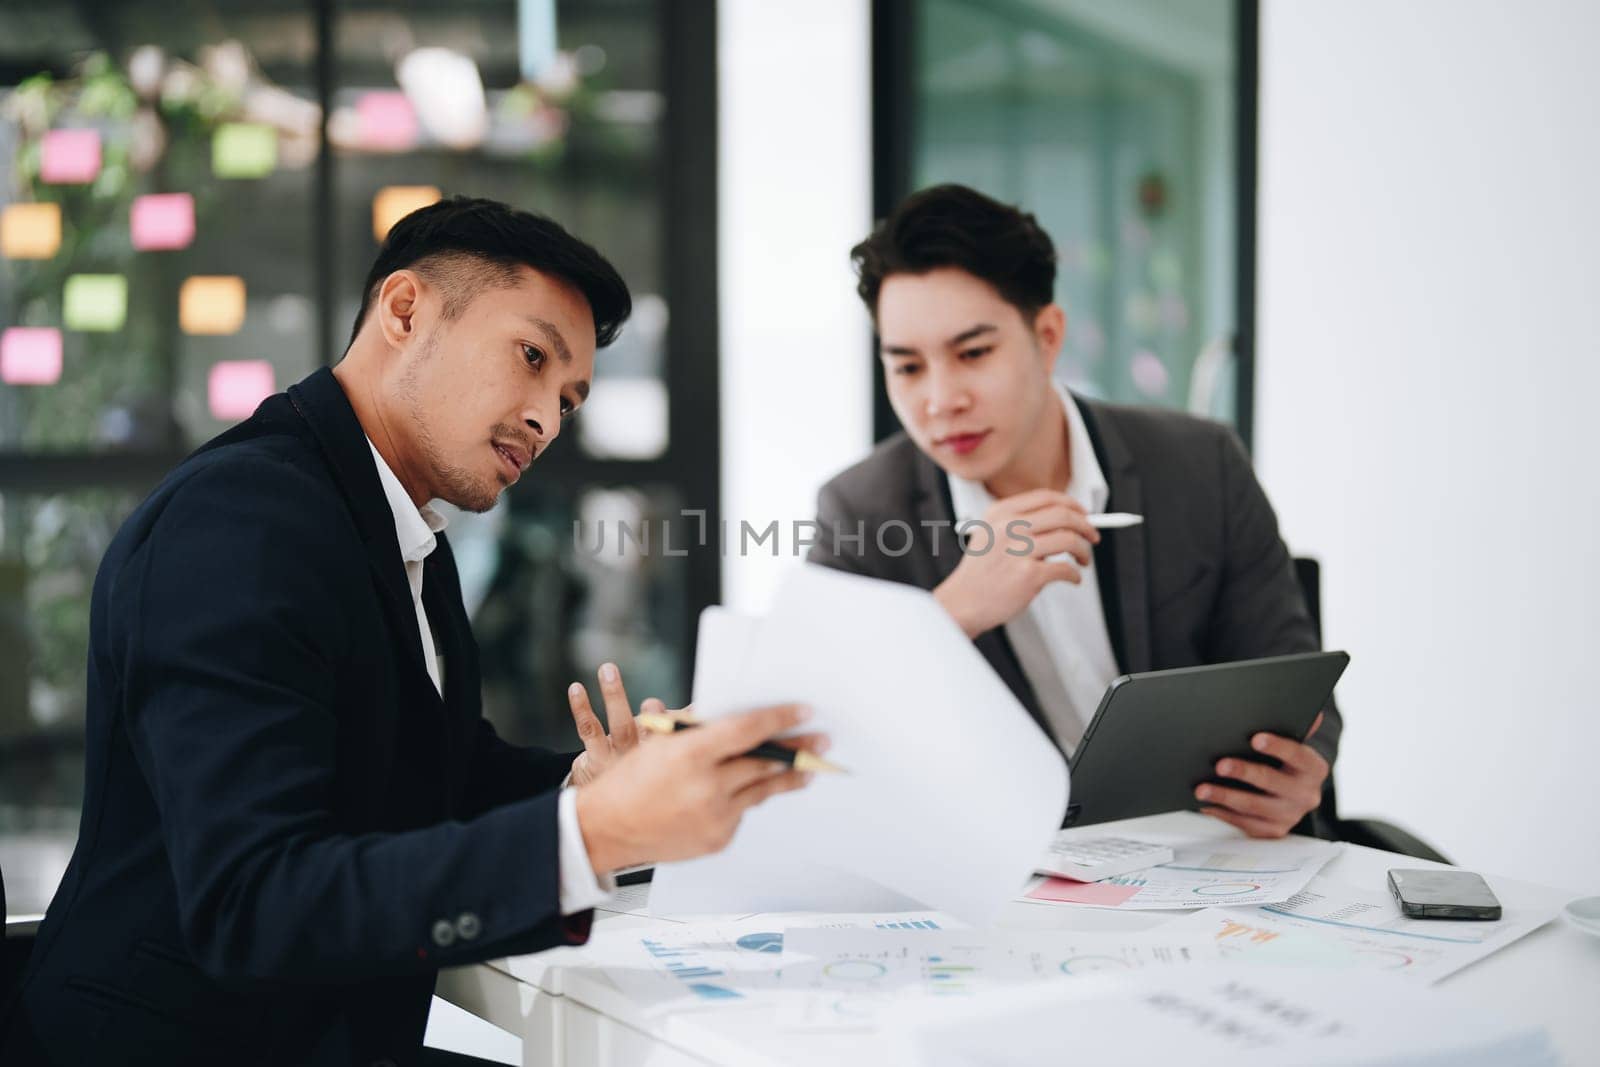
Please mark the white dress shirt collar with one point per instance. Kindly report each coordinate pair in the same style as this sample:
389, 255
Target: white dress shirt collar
1086, 484
415, 528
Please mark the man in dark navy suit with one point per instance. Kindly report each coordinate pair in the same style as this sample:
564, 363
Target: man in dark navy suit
294, 812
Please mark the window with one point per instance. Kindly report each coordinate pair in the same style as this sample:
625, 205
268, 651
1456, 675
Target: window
1114, 123
197, 191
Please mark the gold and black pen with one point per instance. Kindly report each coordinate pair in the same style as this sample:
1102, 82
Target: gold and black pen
798, 758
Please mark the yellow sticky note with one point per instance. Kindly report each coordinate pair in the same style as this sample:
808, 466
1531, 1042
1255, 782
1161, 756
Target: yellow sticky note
244, 150
395, 202
30, 231
211, 304
95, 302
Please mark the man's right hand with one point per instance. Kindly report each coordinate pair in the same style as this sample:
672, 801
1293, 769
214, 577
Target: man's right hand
681, 796
990, 588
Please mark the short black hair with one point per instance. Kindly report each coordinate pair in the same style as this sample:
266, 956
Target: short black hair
954, 226
468, 243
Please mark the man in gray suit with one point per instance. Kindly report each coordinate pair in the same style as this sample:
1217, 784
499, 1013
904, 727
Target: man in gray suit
985, 499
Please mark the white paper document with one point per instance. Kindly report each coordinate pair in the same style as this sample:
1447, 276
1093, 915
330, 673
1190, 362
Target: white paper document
1231, 873
717, 962
843, 979
952, 790
1212, 1015
1337, 925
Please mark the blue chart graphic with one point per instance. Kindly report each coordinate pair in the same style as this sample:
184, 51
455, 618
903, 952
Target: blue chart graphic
1091, 964
1386, 931
764, 942
914, 924
714, 992
683, 964
1226, 889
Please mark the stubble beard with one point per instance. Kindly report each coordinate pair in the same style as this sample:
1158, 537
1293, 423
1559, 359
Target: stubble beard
452, 483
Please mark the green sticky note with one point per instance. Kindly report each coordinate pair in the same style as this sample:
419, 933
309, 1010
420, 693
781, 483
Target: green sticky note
244, 150
95, 302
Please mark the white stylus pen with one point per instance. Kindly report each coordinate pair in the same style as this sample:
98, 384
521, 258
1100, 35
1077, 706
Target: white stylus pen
1115, 520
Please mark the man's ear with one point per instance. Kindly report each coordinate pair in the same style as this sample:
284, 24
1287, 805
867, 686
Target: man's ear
1049, 332
397, 304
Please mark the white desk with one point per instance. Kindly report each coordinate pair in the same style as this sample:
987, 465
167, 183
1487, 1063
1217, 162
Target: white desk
575, 1015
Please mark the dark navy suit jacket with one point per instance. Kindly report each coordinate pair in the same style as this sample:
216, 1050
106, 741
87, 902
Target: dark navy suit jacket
286, 831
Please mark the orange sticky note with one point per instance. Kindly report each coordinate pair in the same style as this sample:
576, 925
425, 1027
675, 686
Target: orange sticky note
30, 231
395, 202
211, 304
30, 355
235, 387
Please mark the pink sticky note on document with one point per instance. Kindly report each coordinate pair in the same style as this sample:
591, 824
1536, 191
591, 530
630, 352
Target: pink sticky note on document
162, 221
1066, 891
30, 355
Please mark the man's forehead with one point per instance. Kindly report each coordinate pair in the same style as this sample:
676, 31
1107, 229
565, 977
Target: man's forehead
537, 296
925, 303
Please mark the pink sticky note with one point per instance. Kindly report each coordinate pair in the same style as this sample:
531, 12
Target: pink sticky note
1066, 891
236, 387
388, 121
70, 157
162, 221
30, 355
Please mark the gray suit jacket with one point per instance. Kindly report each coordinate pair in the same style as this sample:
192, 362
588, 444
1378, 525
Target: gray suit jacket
1205, 579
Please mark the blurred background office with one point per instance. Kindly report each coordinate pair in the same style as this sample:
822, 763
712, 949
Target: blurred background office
1362, 233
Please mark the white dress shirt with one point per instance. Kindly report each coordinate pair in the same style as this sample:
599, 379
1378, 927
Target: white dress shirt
415, 528
1061, 640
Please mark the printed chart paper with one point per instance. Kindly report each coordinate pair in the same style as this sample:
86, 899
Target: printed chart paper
1231, 873
1214, 1015
706, 964
1363, 928
836, 979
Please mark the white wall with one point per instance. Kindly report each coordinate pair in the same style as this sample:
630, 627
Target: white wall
1429, 370
794, 137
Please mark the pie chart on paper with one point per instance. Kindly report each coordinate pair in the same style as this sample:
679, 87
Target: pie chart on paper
762, 942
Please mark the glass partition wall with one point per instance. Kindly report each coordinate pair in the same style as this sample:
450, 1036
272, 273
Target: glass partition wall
193, 193
1116, 123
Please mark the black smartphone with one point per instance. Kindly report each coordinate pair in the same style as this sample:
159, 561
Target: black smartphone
1443, 894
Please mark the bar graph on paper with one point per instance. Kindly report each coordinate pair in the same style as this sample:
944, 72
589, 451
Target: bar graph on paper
688, 964
715, 962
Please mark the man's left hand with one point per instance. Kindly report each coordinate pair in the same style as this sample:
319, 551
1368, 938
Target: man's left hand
600, 750
1287, 793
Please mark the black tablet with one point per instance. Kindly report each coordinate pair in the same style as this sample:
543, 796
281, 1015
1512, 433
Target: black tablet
1158, 735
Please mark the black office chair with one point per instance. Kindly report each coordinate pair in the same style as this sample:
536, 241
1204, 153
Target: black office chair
1374, 833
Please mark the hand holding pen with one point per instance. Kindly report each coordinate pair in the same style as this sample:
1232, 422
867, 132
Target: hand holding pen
800, 758
682, 795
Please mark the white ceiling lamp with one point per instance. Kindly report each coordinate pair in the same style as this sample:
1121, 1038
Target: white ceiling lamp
447, 92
